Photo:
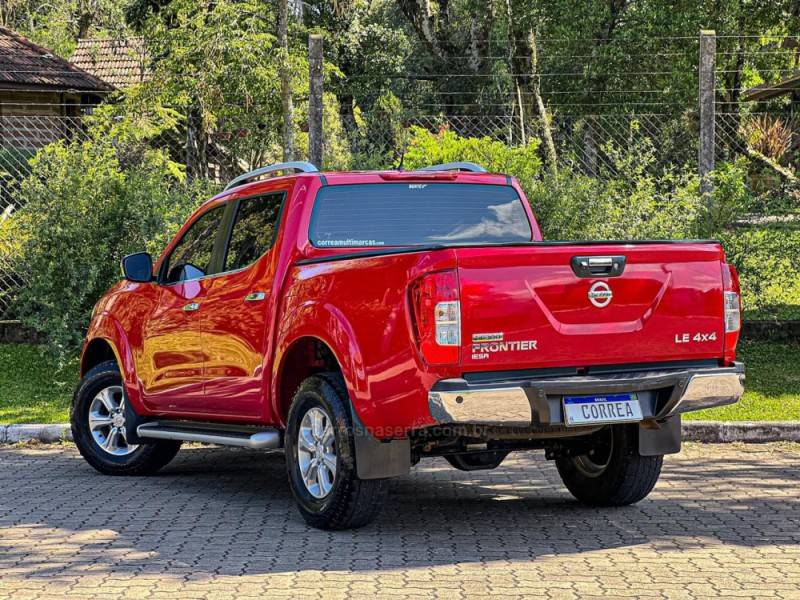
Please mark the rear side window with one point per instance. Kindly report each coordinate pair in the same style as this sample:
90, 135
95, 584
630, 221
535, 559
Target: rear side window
253, 231
409, 214
191, 256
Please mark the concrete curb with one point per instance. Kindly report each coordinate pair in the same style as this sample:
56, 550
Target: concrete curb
716, 432
12, 434
709, 432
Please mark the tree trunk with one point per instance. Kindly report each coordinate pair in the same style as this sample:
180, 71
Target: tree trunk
196, 145
439, 33
286, 80
348, 118
515, 75
547, 134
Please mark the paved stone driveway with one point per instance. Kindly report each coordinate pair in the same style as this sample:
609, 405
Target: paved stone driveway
723, 521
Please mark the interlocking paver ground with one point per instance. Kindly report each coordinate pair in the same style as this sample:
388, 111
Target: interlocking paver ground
220, 523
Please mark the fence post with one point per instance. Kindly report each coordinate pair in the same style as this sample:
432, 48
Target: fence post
315, 99
708, 52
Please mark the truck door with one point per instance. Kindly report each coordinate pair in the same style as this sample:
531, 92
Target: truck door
240, 308
173, 356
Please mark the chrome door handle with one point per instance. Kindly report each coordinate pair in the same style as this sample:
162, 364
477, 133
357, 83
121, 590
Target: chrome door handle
255, 297
192, 306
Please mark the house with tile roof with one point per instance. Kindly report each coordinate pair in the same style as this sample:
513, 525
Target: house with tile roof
40, 94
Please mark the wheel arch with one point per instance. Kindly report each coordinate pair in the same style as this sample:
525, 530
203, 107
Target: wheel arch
98, 350
303, 357
375, 459
324, 328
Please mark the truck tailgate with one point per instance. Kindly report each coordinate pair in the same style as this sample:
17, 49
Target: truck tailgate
527, 307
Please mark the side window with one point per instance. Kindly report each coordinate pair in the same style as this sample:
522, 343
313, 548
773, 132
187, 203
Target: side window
191, 256
253, 230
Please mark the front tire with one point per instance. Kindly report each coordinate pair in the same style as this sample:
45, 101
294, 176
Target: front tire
320, 459
98, 427
614, 474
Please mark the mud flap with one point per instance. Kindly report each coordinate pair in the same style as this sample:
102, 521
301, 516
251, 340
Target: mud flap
376, 459
665, 440
132, 422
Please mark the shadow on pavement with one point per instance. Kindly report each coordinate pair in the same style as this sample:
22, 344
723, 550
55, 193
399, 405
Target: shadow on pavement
230, 512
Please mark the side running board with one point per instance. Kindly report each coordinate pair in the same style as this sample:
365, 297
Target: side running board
211, 433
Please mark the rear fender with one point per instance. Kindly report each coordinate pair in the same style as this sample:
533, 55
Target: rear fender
326, 323
375, 459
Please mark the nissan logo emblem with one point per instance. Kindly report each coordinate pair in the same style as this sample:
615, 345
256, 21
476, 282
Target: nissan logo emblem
600, 294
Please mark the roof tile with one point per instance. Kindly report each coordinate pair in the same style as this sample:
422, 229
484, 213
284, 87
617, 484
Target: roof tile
120, 62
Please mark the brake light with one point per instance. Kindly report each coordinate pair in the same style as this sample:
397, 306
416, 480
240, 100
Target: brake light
419, 176
437, 317
732, 310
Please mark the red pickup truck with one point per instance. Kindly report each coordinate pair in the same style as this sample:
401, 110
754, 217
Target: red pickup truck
365, 320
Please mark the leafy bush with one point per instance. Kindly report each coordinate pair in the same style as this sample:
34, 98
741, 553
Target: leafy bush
426, 148
379, 136
629, 202
577, 207
86, 205
766, 259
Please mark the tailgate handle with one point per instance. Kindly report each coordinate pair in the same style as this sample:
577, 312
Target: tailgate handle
598, 266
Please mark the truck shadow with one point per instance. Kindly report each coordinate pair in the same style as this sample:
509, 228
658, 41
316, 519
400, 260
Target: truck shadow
230, 512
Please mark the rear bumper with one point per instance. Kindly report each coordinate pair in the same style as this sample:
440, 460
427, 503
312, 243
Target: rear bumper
661, 393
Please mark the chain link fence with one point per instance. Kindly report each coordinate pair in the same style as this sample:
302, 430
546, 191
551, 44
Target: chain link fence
772, 135
589, 143
584, 143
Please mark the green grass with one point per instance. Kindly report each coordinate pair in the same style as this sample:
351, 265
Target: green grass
772, 389
33, 390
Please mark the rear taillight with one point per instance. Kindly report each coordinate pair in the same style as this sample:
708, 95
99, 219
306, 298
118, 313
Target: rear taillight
437, 317
733, 315
732, 310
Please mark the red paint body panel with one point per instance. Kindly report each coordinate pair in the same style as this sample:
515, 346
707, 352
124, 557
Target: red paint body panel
532, 294
225, 361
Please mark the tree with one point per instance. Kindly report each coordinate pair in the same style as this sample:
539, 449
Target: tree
217, 63
59, 25
365, 52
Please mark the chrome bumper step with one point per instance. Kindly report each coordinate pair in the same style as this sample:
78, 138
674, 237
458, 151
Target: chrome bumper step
211, 433
521, 403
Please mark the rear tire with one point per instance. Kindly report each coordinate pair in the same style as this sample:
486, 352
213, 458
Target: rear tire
98, 427
320, 459
615, 474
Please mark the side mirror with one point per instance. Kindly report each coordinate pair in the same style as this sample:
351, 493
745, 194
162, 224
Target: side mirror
138, 267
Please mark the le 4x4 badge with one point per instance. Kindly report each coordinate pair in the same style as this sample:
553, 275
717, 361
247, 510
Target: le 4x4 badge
686, 338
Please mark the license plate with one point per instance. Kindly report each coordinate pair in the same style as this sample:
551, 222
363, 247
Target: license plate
611, 408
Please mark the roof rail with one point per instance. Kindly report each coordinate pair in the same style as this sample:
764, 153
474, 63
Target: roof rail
456, 166
298, 165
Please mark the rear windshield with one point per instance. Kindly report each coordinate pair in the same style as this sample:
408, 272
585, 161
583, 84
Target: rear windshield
409, 214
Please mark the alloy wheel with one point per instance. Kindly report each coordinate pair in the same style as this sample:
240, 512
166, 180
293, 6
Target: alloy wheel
107, 421
316, 452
